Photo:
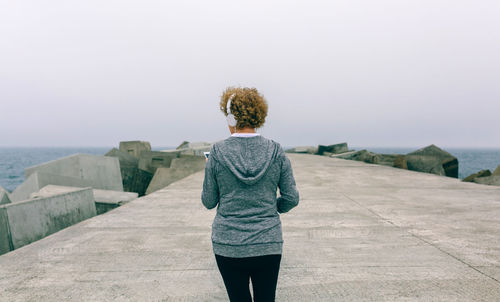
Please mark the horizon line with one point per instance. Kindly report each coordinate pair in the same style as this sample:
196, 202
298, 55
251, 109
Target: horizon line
284, 145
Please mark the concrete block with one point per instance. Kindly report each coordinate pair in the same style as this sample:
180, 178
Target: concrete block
38, 180
107, 196
103, 172
335, 149
33, 219
432, 159
190, 163
133, 178
151, 160
400, 162
497, 171
51, 190
387, 159
482, 173
193, 145
105, 200
125, 159
195, 148
362, 155
4, 196
303, 149
180, 168
493, 180
134, 148
5, 244
198, 151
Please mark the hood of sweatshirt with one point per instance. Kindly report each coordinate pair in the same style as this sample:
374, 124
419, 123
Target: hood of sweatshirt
248, 158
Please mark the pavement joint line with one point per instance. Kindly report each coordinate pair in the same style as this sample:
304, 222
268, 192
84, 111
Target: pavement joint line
356, 266
149, 270
426, 241
282, 267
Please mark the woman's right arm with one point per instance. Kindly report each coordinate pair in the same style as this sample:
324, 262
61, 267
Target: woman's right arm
210, 193
289, 195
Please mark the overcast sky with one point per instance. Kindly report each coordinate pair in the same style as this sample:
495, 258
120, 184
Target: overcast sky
370, 73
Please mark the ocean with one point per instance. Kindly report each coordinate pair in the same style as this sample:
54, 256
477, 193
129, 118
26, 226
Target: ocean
13, 160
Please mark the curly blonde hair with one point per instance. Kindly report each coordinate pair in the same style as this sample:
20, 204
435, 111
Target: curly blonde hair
248, 106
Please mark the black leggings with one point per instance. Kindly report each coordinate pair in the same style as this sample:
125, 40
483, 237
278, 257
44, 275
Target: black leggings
236, 272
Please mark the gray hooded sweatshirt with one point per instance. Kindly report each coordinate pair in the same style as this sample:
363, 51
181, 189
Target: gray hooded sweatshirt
242, 176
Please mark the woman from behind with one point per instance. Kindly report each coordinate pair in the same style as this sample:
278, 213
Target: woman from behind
242, 176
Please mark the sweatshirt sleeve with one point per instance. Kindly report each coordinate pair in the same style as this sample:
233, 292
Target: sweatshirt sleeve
289, 195
210, 193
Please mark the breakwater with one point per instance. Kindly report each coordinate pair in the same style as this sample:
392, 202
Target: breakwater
361, 232
13, 160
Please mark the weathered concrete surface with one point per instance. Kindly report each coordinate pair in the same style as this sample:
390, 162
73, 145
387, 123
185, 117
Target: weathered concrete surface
151, 160
4, 196
5, 243
105, 200
135, 148
493, 180
333, 149
33, 219
180, 167
38, 180
194, 145
360, 233
103, 172
133, 178
303, 149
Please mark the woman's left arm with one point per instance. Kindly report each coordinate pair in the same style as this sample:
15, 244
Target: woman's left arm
210, 193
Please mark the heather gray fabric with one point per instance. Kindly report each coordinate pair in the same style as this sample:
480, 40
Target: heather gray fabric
242, 177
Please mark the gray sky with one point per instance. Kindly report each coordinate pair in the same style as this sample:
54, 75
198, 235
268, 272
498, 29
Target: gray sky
372, 73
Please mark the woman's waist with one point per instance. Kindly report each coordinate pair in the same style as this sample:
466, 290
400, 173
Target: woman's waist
236, 231
257, 221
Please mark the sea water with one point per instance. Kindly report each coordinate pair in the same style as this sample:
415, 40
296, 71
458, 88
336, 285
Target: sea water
14, 160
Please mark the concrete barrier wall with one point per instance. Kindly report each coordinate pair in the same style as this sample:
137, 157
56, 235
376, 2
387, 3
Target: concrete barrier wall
38, 180
102, 171
152, 160
179, 168
4, 232
4, 196
31, 220
105, 200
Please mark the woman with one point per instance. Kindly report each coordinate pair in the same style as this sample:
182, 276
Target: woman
242, 175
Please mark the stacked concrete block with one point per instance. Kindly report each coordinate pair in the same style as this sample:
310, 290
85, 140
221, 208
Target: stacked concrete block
432, 159
194, 148
497, 171
30, 220
38, 180
180, 167
193, 145
334, 149
134, 148
4, 196
5, 242
485, 177
151, 160
102, 172
125, 159
105, 200
133, 178
303, 149
472, 177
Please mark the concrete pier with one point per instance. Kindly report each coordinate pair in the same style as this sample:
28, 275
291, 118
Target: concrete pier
360, 233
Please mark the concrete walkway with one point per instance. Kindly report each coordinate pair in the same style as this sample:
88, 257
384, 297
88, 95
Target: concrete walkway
360, 233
